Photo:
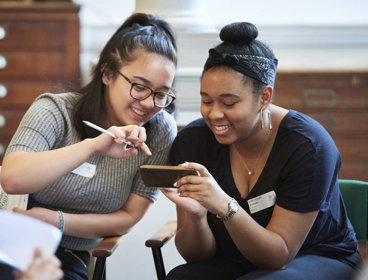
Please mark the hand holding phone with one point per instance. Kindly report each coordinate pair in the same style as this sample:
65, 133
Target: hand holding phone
163, 176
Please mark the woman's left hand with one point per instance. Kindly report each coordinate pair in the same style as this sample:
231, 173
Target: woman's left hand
49, 216
204, 189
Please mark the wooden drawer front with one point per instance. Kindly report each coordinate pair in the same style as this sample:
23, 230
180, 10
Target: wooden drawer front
20, 94
322, 90
31, 35
33, 65
353, 149
9, 121
356, 170
341, 124
307, 97
354, 155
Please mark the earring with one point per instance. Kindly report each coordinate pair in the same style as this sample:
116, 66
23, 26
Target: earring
262, 124
269, 119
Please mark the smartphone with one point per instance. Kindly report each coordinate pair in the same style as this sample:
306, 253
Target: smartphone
163, 176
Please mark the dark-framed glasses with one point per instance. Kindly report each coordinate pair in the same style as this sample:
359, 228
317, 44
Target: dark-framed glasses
141, 92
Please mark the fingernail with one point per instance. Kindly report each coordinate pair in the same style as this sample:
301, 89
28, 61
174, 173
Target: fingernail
175, 184
185, 164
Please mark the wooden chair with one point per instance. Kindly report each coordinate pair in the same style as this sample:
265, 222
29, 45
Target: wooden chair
104, 250
355, 196
157, 241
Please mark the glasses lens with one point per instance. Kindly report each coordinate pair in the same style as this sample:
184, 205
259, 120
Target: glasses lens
162, 99
140, 92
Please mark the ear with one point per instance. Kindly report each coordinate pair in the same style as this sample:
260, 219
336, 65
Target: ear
266, 96
106, 74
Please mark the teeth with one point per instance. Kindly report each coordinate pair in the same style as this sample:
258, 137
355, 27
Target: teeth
223, 127
138, 112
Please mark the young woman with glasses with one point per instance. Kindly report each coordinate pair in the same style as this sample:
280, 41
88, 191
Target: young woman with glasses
84, 181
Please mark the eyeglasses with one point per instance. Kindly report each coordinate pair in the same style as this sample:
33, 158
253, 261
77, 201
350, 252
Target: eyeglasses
141, 92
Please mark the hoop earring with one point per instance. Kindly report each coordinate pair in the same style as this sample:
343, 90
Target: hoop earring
269, 119
262, 123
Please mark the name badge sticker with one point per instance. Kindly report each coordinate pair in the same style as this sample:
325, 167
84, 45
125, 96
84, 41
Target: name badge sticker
262, 201
86, 170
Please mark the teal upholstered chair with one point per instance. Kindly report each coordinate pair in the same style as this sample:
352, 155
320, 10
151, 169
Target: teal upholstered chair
355, 195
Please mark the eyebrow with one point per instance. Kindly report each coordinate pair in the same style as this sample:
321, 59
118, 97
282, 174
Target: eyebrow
222, 95
148, 82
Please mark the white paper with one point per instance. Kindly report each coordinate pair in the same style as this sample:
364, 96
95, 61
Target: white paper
20, 235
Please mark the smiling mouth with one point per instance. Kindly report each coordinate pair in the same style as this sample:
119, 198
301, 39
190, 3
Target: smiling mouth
221, 127
139, 112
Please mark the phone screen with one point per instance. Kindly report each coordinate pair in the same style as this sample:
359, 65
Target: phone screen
163, 176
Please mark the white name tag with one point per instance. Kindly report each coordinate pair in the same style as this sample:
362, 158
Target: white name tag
262, 201
86, 170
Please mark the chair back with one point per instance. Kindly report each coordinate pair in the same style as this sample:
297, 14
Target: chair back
355, 196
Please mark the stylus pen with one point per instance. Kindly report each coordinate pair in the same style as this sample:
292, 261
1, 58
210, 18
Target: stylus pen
105, 131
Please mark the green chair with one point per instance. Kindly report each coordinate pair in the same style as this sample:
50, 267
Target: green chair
355, 195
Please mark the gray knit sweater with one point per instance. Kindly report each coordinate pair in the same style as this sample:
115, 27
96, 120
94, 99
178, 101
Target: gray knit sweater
48, 125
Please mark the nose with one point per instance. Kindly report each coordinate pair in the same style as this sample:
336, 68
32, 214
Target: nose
148, 102
215, 113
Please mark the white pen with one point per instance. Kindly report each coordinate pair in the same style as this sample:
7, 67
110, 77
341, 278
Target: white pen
105, 131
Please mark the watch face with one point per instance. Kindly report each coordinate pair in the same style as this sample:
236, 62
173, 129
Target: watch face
234, 205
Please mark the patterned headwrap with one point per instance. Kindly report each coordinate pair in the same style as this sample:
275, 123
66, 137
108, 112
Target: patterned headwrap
257, 67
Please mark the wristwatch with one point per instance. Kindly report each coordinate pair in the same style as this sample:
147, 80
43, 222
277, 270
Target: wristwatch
233, 208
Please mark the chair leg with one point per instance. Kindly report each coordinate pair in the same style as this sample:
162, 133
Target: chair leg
159, 263
99, 272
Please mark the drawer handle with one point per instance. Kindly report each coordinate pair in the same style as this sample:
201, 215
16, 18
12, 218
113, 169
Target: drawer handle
3, 91
3, 62
2, 121
2, 32
319, 97
328, 121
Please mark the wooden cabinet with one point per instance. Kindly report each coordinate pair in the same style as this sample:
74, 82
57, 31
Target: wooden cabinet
339, 101
39, 52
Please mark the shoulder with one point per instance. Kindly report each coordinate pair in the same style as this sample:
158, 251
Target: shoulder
300, 126
57, 102
194, 142
67, 99
163, 121
195, 128
161, 130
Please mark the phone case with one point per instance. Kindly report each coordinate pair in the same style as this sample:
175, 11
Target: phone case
163, 176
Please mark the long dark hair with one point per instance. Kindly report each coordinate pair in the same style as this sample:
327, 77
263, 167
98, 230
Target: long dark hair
138, 31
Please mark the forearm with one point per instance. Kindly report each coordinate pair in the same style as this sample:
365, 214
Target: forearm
194, 239
262, 247
27, 172
98, 225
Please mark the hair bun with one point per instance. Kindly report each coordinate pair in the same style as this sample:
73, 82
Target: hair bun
239, 33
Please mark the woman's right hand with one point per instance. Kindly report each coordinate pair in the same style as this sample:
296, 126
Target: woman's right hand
117, 148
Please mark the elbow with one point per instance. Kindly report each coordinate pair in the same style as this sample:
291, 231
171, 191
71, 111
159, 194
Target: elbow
9, 184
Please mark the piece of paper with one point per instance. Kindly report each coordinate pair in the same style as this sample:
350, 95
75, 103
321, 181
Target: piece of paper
9, 201
20, 235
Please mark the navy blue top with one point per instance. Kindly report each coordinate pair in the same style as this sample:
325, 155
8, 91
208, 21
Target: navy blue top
301, 169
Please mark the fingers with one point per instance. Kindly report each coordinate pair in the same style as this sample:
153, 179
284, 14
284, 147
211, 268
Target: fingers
201, 170
18, 210
145, 149
132, 136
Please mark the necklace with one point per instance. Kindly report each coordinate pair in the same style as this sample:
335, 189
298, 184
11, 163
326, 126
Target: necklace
250, 172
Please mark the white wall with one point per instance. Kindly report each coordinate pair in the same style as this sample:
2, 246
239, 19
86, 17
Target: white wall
315, 34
